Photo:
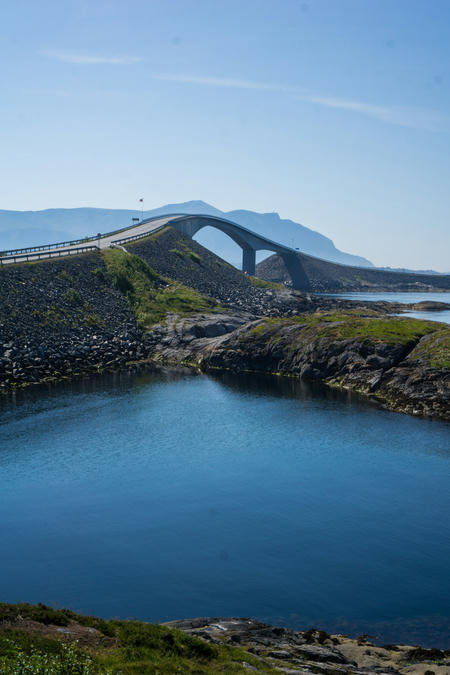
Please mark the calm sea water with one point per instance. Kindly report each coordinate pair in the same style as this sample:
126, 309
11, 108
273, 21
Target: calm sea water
407, 298
163, 496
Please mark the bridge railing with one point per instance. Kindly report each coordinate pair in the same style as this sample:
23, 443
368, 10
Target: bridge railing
62, 244
133, 237
42, 255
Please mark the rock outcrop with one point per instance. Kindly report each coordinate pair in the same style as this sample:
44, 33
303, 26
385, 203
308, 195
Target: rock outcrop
329, 277
398, 361
314, 651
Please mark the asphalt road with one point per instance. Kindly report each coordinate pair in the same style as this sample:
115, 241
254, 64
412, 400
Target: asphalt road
105, 242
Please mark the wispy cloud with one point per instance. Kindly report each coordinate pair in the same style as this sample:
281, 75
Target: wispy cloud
90, 59
222, 82
405, 116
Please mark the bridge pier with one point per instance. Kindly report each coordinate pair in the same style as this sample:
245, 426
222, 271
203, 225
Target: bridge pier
298, 275
249, 261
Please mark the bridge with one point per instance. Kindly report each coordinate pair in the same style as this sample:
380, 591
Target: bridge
187, 224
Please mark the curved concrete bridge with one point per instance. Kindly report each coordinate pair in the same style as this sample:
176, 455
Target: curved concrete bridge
249, 241
187, 224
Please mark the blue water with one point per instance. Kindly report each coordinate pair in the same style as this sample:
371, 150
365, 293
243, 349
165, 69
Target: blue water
407, 298
161, 496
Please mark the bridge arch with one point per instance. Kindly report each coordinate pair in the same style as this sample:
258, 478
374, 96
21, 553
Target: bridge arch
249, 242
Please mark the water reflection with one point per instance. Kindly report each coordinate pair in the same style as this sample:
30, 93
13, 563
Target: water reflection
258, 384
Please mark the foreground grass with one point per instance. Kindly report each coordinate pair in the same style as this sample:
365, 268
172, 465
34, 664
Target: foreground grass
150, 295
30, 643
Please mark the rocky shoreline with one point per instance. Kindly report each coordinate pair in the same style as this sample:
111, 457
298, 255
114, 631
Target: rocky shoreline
315, 651
68, 318
399, 375
200, 645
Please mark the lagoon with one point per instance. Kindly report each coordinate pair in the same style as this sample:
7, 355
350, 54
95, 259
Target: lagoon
165, 495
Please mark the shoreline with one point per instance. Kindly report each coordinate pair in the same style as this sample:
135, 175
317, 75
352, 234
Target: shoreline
203, 645
197, 356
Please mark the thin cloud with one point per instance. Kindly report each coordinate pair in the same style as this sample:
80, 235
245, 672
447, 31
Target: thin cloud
221, 82
405, 116
91, 59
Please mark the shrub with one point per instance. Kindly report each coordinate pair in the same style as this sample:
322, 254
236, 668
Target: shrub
73, 297
99, 274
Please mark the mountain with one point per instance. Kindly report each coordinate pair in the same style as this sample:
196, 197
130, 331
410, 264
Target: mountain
33, 228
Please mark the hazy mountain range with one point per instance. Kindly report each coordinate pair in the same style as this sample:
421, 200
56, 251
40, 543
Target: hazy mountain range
33, 228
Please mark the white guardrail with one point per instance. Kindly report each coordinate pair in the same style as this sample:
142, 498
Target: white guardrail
58, 253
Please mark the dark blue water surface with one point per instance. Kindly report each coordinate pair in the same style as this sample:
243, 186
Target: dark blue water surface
164, 496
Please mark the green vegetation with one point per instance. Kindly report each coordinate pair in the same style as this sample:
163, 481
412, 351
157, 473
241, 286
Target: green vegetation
435, 349
391, 330
99, 274
62, 275
92, 320
177, 252
150, 295
73, 297
367, 326
260, 283
186, 253
65, 660
53, 316
118, 647
195, 257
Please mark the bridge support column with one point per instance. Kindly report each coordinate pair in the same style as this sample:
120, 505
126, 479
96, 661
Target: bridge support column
249, 261
298, 275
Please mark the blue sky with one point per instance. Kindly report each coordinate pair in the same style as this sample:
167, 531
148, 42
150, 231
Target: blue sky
335, 113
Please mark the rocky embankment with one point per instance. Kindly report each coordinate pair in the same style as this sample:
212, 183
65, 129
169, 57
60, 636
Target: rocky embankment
61, 318
327, 277
102, 312
401, 362
67, 317
314, 651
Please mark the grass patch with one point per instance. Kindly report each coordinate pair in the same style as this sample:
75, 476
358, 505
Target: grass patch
186, 254
73, 297
65, 276
177, 252
92, 320
137, 648
195, 257
99, 274
260, 283
390, 330
365, 325
435, 349
19, 656
150, 295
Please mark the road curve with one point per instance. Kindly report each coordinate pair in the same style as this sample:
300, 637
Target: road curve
105, 242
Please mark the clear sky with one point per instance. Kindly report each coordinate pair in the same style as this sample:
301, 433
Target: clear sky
335, 113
